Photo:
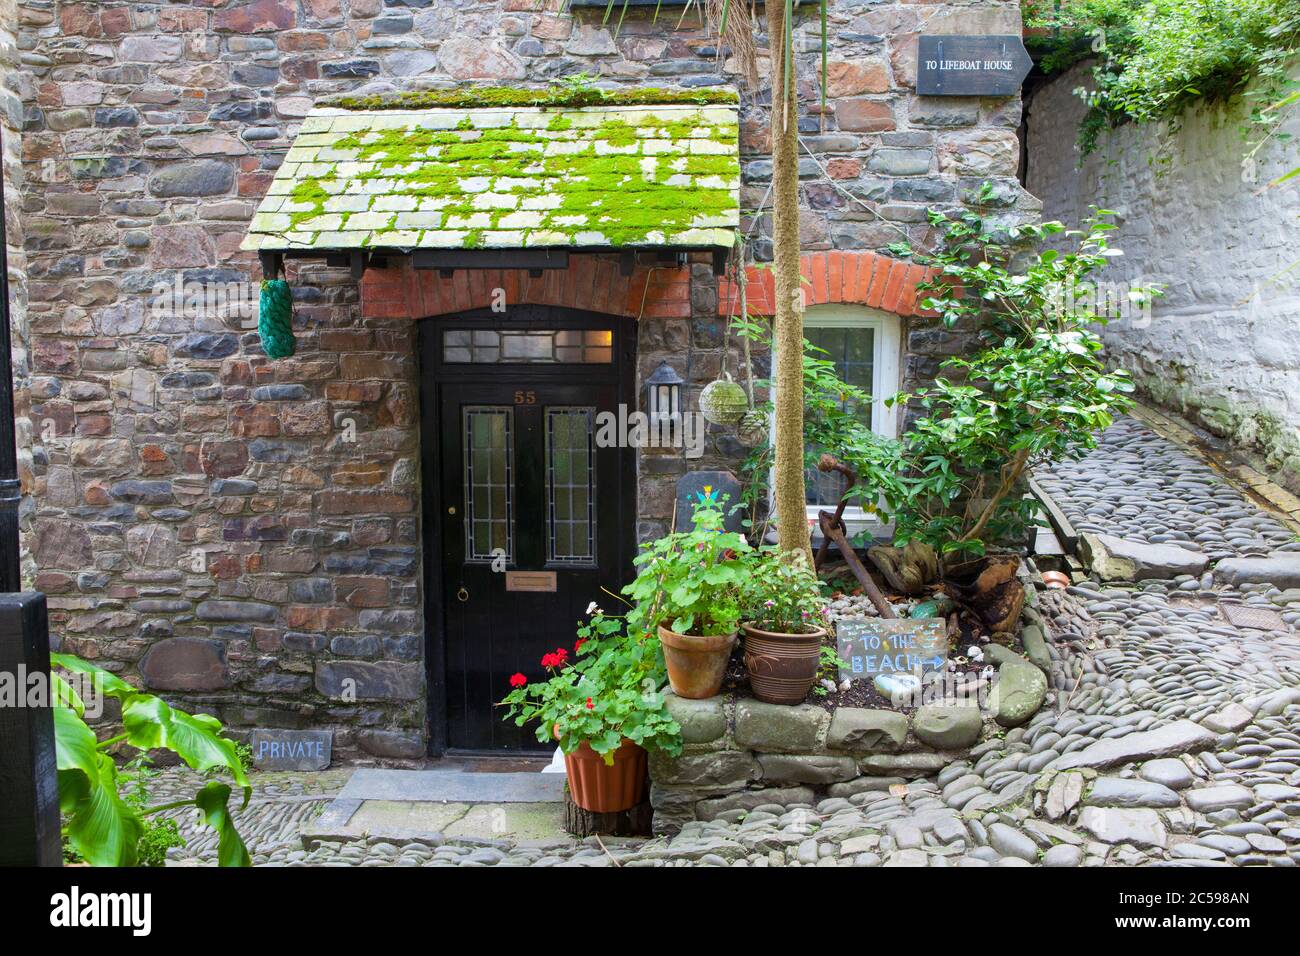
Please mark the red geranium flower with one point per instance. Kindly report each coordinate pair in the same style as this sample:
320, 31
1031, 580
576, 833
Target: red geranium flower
590, 705
550, 660
577, 645
518, 680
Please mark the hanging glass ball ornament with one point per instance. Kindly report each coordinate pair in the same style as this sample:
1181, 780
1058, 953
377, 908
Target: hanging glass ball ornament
723, 402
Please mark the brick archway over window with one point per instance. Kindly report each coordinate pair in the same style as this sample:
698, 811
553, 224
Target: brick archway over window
851, 278
592, 282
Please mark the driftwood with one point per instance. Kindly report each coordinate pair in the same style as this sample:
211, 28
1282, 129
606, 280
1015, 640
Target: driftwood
989, 586
908, 569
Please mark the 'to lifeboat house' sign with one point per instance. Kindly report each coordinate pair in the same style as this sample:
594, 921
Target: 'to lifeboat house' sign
971, 65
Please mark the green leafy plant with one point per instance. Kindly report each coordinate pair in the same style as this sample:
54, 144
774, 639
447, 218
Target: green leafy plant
160, 834
1154, 59
102, 825
782, 596
608, 689
829, 665
1035, 391
1038, 391
690, 581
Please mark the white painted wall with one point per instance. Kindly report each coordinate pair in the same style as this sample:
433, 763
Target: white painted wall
1223, 345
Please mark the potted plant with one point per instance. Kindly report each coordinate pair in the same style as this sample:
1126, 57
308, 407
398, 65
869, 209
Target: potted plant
602, 703
785, 612
688, 591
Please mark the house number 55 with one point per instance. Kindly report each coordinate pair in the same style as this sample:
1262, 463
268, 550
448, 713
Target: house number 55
525, 398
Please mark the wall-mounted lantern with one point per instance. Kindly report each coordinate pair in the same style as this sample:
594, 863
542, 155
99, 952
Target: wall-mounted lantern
663, 396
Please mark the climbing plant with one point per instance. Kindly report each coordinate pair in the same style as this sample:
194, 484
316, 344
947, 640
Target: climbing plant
1152, 59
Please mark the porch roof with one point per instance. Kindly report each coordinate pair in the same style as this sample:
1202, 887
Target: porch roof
505, 177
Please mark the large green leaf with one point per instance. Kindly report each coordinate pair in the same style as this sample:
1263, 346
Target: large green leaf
66, 695
101, 827
214, 800
196, 738
107, 682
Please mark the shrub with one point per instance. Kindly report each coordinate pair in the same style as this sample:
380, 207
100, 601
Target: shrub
1036, 391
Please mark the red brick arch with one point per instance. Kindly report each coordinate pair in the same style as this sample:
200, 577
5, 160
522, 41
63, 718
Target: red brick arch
852, 278
592, 282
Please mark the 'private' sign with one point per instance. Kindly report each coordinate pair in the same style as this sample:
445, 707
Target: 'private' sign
971, 65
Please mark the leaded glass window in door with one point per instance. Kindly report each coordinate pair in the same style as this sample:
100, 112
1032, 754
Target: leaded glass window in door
571, 484
489, 482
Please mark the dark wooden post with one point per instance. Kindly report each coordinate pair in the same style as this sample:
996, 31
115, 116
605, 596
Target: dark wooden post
29, 789
29, 810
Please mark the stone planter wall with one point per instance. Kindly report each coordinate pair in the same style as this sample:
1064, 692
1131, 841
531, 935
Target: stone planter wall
739, 753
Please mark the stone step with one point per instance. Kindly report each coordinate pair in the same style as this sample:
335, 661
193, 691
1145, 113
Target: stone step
454, 786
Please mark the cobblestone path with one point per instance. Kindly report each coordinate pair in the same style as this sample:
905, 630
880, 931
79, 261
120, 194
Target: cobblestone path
1140, 486
1171, 735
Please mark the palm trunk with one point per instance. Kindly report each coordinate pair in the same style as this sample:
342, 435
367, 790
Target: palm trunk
788, 472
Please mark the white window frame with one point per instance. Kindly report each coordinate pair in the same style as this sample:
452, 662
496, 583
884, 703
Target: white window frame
886, 381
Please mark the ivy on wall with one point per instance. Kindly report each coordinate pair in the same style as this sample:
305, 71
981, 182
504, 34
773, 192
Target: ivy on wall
1152, 59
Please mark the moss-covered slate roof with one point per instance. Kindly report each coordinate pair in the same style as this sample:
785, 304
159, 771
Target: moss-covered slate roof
506, 178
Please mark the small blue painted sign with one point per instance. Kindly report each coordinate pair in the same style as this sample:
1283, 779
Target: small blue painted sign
871, 646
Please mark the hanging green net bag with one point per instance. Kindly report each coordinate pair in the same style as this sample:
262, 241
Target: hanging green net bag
275, 318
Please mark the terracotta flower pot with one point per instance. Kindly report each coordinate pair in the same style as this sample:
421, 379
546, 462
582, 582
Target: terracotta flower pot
1055, 579
782, 667
696, 665
606, 788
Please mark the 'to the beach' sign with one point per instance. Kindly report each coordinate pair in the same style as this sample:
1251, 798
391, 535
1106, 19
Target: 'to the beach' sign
971, 65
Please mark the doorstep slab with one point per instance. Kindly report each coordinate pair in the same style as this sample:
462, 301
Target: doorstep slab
403, 822
448, 786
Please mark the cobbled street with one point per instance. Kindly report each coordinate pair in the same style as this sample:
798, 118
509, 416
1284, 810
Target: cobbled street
1171, 734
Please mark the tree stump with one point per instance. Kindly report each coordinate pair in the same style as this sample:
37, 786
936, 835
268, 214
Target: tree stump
625, 823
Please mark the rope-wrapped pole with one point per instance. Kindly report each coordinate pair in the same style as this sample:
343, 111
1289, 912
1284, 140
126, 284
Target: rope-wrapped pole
275, 318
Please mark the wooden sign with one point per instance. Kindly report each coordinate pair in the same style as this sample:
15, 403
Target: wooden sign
971, 65
530, 580
871, 646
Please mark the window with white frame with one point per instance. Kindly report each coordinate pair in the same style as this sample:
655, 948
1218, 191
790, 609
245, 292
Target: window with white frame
865, 345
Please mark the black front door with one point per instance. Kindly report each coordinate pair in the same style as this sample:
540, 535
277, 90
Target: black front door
530, 517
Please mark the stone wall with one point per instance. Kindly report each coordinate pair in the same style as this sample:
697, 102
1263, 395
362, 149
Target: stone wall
740, 753
199, 521
11, 121
1222, 346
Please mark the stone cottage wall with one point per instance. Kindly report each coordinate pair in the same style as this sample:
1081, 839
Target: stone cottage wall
241, 534
1222, 346
11, 122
